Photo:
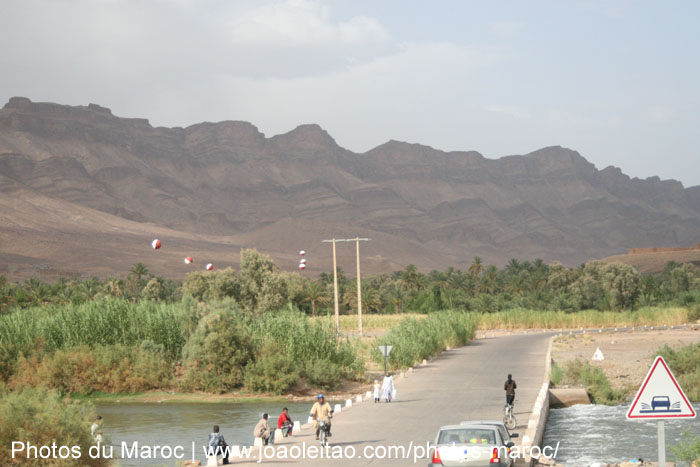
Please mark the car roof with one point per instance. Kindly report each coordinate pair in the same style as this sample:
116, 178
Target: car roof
471, 425
482, 422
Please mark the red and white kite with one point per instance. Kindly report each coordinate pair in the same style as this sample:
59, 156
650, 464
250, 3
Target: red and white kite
155, 244
188, 260
302, 252
302, 266
303, 261
210, 267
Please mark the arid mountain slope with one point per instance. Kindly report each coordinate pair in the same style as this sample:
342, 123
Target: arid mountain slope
91, 189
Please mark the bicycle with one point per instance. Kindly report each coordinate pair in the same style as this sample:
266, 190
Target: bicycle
508, 417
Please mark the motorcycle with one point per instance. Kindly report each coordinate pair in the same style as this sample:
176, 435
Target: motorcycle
323, 429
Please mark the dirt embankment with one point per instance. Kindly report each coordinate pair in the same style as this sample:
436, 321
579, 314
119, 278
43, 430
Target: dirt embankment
628, 355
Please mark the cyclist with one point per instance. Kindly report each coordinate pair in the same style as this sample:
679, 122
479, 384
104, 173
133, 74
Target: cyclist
510, 388
321, 410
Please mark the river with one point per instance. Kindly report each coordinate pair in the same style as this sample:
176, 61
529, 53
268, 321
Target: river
599, 433
181, 424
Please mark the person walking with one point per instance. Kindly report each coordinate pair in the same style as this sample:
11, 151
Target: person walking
377, 392
388, 387
96, 430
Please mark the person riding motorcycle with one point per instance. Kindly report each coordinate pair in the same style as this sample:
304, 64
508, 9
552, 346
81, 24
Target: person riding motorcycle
321, 410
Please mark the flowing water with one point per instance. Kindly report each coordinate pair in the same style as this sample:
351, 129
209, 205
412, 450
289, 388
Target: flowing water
597, 433
181, 424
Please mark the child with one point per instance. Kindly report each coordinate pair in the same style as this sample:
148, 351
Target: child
377, 391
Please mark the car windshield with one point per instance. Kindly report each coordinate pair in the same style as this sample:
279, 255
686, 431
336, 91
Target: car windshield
467, 436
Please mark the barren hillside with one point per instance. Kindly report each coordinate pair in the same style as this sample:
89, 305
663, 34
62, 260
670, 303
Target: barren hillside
84, 191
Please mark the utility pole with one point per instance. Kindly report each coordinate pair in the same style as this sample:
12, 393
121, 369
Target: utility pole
335, 289
357, 240
359, 288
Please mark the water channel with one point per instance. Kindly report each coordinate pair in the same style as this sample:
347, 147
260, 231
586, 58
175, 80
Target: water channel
597, 433
181, 424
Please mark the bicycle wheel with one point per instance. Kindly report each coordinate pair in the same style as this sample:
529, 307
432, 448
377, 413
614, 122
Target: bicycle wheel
510, 421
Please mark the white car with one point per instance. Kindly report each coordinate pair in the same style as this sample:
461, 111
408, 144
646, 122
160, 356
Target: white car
471, 445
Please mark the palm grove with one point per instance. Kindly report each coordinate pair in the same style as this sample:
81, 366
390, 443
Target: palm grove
260, 329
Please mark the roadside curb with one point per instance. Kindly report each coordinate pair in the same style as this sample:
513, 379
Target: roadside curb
537, 422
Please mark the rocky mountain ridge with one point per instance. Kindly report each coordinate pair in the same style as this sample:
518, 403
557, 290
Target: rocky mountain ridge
228, 184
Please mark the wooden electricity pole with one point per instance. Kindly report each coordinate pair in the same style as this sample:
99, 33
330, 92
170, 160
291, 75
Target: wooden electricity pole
357, 240
335, 288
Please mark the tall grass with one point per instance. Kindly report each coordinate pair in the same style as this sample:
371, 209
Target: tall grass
104, 322
304, 340
531, 319
413, 340
594, 380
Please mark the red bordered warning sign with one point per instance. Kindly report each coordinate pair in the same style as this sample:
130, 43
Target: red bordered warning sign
660, 396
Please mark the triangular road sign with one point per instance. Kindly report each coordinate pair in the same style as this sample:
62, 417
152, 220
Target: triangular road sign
598, 355
385, 349
660, 396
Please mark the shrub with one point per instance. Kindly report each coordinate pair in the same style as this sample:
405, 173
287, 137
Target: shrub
43, 417
274, 372
106, 368
694, 313
217, 352
556, 376
594, 380
685, 364
323, 374
688, 450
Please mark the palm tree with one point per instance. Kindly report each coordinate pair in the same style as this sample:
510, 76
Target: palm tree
90, 288
40, 294
513, 266
477, 267
115, 287
139, 270
315, 292
370, 298
412, 278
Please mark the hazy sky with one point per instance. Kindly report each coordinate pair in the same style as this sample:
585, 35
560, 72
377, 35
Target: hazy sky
616, 81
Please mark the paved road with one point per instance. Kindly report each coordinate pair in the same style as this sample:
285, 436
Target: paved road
461, 384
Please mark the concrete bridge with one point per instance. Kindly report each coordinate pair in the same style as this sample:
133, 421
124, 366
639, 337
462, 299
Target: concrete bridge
461, 384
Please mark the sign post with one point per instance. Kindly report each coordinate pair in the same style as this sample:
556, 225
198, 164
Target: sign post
385, 350
660, 397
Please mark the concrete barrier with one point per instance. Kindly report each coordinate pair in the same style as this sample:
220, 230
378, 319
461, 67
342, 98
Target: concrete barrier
211, 461
348, 403
358, 399
297, 426
337, 409
538, 418
566, 397
368, 395
309, 420
278, 434
257, 442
